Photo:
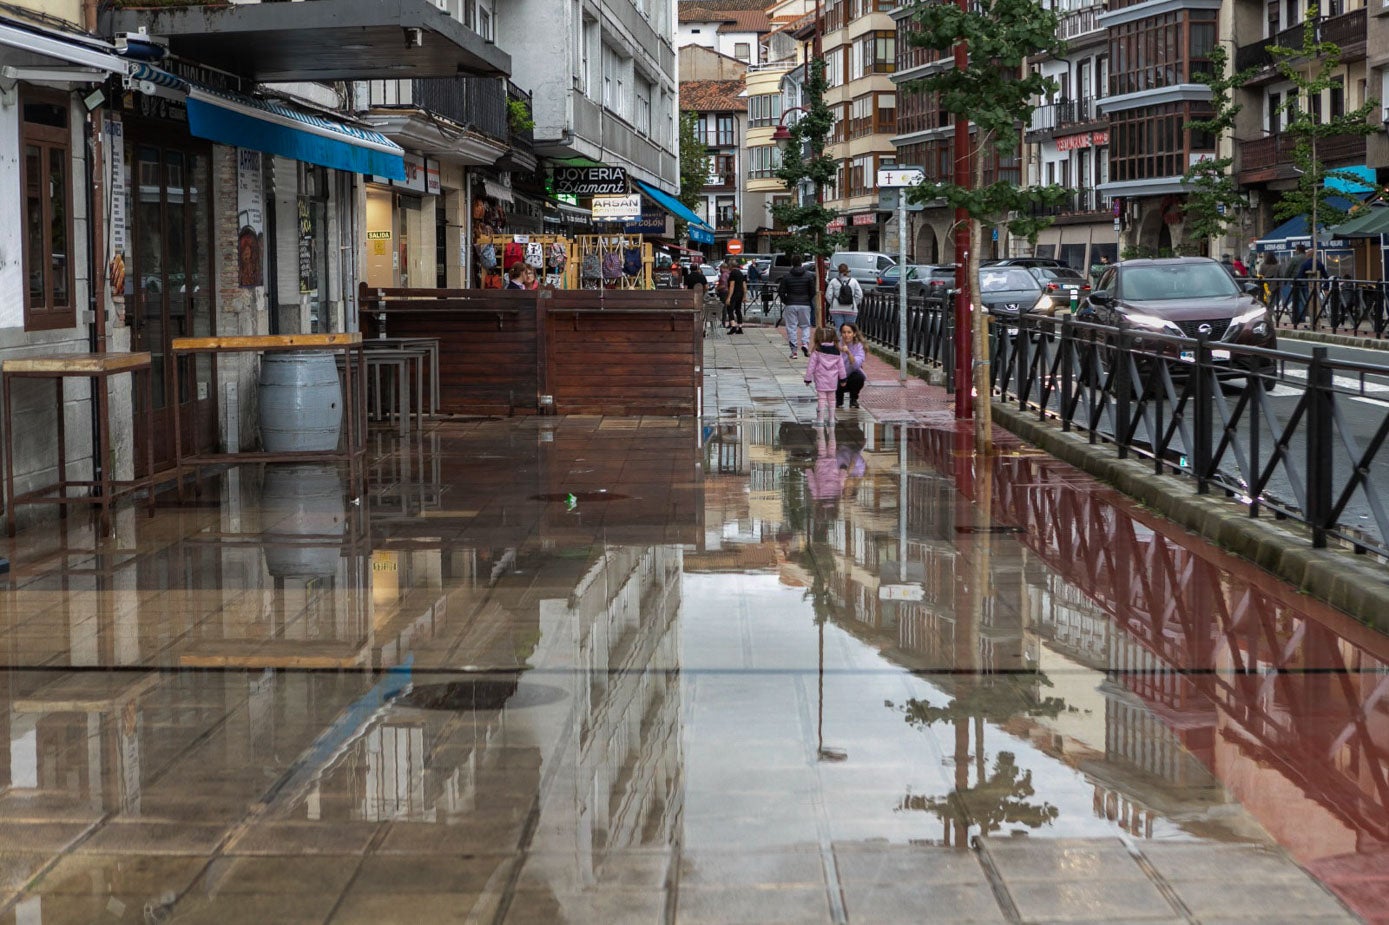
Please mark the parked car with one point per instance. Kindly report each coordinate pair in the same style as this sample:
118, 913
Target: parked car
922, 278
1010, 292
1058, 283
780, 266
1184, 296
864, 266
1024, 262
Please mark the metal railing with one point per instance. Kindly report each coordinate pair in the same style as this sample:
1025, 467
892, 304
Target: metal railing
930, 326
1281, 432
1052, 116
1341, 306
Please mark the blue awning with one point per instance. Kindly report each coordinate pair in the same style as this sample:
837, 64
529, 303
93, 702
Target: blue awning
1294, 231
244, 122
677, 208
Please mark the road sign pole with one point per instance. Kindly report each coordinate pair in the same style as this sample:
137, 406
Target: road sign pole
902, 285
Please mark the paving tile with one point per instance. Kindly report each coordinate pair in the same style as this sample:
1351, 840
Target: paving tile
911, 902
272, 875
1090, 901
1062, 859
609, 907
1218, 862
66, 909
380, 908
120, 873
495, 833
299, 838
1264, 901
768, 869
907, 863
796, 904
17, 869
405, 874
620, 870
40, 836
255, 909
173, 838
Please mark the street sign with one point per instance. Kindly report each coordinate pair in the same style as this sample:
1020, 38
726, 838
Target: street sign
888, 199
734, 247
900, 176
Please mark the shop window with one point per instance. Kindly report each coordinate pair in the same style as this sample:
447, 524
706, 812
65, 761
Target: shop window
45, 177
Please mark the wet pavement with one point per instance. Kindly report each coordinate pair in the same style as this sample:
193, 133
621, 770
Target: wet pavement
734, 669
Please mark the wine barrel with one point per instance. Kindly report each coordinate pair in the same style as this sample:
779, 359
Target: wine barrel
300, 402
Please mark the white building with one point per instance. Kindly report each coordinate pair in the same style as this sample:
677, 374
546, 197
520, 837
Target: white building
740, 34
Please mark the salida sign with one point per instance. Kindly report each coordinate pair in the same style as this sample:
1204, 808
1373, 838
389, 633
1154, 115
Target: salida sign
590, 181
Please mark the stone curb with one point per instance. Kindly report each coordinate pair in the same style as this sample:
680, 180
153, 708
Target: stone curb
934, 375
1338, 340
1342, 579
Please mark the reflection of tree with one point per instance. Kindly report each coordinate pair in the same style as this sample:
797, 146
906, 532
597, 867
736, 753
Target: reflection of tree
998, 800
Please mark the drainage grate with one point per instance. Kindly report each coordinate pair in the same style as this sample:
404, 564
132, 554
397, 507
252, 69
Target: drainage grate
993, 529
479, 694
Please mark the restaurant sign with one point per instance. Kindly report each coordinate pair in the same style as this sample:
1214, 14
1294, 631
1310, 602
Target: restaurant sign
1083, 140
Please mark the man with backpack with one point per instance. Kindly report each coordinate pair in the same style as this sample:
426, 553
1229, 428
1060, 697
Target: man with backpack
843, 298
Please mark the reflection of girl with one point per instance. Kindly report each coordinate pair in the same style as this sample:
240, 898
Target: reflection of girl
825, 478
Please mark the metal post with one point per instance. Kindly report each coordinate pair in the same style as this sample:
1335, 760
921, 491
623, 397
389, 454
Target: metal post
902, 285
1319, 437
1203, 415
964, 328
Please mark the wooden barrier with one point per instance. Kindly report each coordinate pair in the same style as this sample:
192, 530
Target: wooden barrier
600, 351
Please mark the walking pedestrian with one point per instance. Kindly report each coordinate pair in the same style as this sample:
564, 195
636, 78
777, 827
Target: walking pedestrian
824, 372
797, 293
1305, 276
1268, 270
854, 356
843, 295
733, 301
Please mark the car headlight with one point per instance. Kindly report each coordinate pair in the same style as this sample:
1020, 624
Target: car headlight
1259, 313
1154, 323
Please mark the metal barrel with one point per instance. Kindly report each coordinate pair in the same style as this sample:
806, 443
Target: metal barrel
300, 402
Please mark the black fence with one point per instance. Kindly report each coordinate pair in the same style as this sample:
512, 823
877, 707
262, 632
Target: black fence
1297, 436
930, 326
1341, 306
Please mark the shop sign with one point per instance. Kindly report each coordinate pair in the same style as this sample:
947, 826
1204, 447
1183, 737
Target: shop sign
650, 223
865, 218
414, 174
431, 177
590, 181
115, 129
836, 225
1082, 140
617, 208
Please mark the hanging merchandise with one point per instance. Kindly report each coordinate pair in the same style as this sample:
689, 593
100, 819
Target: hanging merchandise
614, 262
514, 253
549, 255
535, 255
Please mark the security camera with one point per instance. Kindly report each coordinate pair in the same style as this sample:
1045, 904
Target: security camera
414, 38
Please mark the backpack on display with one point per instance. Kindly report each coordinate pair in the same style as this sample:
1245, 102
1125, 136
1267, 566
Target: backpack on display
846, 294
487, 256
558, 258
612, 265
590, 268
535, 256
631, 262
514, 254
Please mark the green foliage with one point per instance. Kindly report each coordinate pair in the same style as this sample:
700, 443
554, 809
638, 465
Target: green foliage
809, 236
995, 93
518, 116
1213, 198
996, 801
1312, 69
694, 160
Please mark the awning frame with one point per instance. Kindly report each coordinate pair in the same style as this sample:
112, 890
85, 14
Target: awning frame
75, 50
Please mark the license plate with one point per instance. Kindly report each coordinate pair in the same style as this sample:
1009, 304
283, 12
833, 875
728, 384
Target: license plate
1189, 356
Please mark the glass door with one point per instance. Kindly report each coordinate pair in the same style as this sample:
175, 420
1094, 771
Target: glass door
172, 266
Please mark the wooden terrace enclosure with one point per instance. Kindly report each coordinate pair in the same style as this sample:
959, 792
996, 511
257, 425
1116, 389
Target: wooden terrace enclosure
551, 351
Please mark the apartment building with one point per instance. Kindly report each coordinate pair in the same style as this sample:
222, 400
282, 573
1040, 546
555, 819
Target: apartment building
1068, 140
739, 34
721, 113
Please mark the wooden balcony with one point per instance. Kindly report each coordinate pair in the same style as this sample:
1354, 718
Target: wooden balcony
1263, 160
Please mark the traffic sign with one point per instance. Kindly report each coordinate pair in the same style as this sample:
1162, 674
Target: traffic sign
889, 198
900, 176
735, 246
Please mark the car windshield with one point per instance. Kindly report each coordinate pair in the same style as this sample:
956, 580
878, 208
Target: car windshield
1005, 279
1176, 281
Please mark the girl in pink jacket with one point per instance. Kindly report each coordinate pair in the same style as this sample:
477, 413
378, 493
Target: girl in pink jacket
825, 372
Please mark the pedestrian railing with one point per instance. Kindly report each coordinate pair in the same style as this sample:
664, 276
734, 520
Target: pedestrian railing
1340, 306
930, 327
1298, 436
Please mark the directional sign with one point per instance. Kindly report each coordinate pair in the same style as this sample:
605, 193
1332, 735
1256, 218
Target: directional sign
900, 176
888, 199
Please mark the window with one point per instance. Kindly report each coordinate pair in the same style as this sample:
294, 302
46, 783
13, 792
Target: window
874, 53
46, 143
1148, 53
742, 51
764, 162
1153, 141
764, 109
1338, 99
643, 116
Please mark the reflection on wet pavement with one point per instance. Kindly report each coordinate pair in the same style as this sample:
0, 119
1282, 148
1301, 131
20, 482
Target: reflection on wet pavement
617, 670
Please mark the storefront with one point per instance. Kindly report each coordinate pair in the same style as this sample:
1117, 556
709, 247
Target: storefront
402, 228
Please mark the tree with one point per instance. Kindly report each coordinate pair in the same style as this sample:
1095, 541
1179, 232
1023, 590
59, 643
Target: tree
1312, 70
995, 94
808, 222
694, 165
1213, 198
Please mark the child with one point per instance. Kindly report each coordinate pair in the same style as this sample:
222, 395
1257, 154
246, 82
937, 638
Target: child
825, 371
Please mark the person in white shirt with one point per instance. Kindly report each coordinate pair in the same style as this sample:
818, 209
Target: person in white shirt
843, 298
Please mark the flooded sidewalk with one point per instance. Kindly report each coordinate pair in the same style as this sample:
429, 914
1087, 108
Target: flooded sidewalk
739, 668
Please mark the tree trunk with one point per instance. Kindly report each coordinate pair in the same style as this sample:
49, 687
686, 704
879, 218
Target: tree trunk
983, 390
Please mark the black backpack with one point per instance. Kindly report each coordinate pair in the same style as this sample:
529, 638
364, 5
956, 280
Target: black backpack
846, 293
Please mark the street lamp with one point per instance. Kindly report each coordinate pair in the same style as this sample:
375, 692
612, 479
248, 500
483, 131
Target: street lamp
781, 136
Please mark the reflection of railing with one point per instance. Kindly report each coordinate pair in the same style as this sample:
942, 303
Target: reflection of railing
1172, 400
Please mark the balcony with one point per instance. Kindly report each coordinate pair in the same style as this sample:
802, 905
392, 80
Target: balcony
1049, 119
725, 180
719, 138
1346, 30
478, 103
1085, 203
1080, 23
1262, 160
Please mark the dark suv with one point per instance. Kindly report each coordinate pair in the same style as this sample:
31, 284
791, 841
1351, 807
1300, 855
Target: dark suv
1182, 296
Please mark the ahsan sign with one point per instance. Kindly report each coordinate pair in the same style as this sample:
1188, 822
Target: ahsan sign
590, 181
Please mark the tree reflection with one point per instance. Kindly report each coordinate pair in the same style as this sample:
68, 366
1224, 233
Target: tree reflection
998, 799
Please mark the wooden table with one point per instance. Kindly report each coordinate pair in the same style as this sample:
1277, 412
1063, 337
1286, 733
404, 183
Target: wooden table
95, 366
353, 400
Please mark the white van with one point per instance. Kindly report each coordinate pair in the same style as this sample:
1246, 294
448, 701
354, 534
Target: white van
864, 266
